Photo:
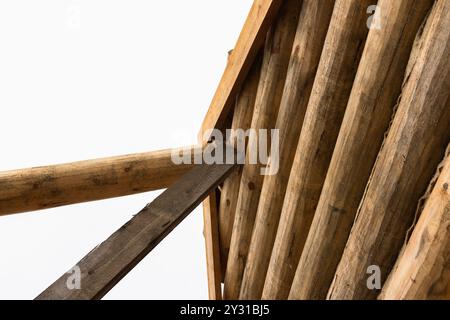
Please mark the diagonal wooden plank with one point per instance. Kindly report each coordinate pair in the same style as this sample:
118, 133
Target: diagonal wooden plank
108, 263
250, 41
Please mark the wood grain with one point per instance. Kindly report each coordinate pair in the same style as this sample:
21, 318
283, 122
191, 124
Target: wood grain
277, 52
335, 75
308, 44
109, 262
242, 119
375, 91
52, 186
414, 147
423, 270
211, 233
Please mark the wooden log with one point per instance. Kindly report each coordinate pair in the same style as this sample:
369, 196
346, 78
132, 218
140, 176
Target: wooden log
340, 57
423, 270
52, 186
109, 262
262, 15
377, 86
413, 148
242, 119
273, 76
211, 233
308, 44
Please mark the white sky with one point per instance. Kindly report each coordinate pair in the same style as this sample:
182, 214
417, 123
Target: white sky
123, 76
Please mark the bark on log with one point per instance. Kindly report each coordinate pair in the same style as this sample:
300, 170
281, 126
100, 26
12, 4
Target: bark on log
414, 146
308, 44
423, 270
374, 93
273, 76
335, 75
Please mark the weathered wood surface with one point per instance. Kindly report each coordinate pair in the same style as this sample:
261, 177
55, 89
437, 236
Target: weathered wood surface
58, 185
337, 69
211, 233
423, 270
277, 52
375, 91
251, 40
109, 262
308, 44
242, 119
414, 146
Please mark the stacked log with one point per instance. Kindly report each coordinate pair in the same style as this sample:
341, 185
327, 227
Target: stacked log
337, 69
277, 52
308, 44
414, 146
374, 93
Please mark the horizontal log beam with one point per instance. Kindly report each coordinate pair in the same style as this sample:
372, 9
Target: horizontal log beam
52, 186
108, 263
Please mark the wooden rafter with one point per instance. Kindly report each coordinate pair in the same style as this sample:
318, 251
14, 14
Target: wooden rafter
108, 263
374, 94
277, 52
345, 41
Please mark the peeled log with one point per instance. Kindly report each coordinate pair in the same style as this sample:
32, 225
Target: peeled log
423, 270
374, 94
308, 44
273, 76
414, 146
53, 186
242, 118
335, 75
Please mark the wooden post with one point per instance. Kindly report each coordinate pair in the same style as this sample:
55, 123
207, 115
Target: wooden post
308, 44
375, 91
424, 267
109, 262
242, 119
340, 57
273, 76
413, 148
211, 233
59, 185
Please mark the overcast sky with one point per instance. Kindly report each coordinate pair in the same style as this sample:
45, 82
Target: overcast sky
82, 79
